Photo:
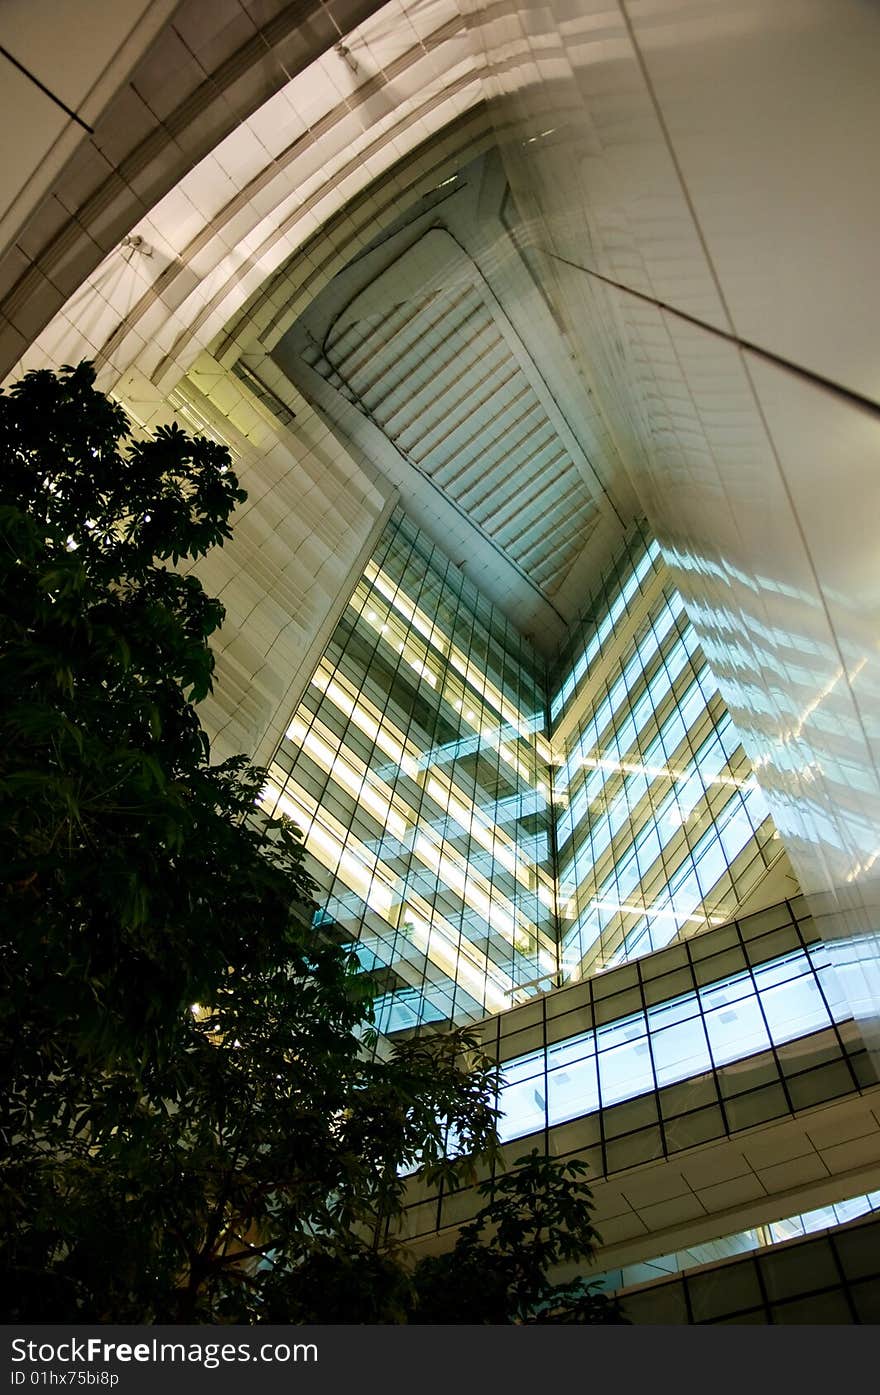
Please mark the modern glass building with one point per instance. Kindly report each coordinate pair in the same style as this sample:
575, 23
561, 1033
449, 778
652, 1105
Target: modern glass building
571, 855
553, 606
661, 830
486, 828
419, 769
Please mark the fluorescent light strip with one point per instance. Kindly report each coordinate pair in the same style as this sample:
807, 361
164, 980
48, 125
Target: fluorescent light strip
364, 875
605, 628
620, 694
474, 891
400, 641
655, 912
479, 682
391, 742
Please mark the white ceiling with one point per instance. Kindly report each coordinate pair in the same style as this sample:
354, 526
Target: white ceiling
437, 371
415, 336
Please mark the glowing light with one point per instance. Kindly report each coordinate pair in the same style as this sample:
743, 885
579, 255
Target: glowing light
656, 912
795, 732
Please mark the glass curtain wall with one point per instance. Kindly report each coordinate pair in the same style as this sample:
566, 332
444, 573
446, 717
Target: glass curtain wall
661, 830
417, 766
695, 1036
481, 841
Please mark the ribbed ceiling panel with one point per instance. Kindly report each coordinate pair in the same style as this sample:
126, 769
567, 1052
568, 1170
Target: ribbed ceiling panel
426, 353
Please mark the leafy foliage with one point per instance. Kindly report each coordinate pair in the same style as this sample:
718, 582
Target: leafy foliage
535, 1220
196, 1125
537, 1217
120, 840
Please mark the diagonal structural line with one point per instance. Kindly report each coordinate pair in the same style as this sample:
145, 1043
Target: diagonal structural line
48, 91
855, 399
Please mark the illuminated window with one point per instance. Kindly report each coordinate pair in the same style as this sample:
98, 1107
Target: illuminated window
474, 850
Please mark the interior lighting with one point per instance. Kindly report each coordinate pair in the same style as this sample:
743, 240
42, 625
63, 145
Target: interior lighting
657, 913
427, 627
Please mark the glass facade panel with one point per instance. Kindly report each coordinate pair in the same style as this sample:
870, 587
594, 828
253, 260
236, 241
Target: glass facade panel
680, 1051
418, 769
482, 832
820, 1266
653, 797
720, 1024
573, 1090
736, 1031
523, 1108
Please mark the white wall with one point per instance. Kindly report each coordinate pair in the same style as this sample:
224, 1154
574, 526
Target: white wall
81, 51
299, 545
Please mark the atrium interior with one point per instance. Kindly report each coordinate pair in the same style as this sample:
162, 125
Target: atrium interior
544, 343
